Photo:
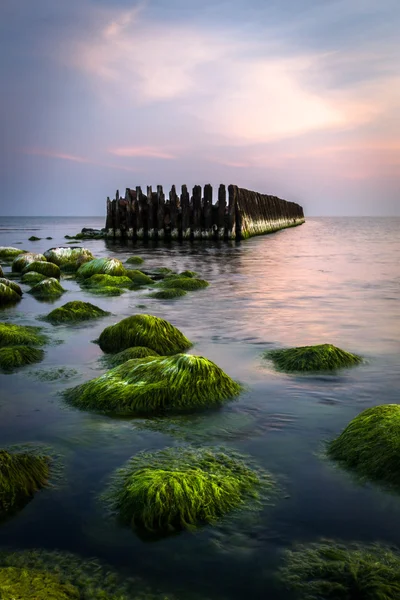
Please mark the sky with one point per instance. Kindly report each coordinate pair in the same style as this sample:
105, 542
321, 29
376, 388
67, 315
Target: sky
294, 98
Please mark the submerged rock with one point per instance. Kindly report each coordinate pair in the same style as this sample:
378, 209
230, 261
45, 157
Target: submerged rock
33, 238
138, 278
14, 286
107, 281
61, 255
370, 445
168, 294
21, 476
322, 357
101, 266
32, 277
335, 571
14, 357
23, 260
19, 335
75, 312
134, 260
106, 290
143, 330
178, 383
113, 360
10, 292
32, 585
183, 283
45, 268
19, 346
184, 488
48, 288
9, 253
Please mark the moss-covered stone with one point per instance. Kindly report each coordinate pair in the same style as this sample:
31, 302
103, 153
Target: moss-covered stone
101, 266
188, 274
107, 290
184, 488
156, 384
134, 260
34, 238
75, 312
144, 330
8, 295
168, 294
323, 357
184, 283
45, 268
32, 585
14, 357
138, 278
370, 445
32, 277
19, 335
61, 255
21, 476
23, 260
69, 267
113, 360
14, 286
107, 281
48, 288
8, 253
332, 571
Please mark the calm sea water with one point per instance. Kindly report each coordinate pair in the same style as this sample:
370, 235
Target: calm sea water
333, 280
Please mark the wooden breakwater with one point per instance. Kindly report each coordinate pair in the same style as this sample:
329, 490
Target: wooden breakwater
241, 215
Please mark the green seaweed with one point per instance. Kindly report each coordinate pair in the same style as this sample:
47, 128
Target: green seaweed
107, 290
107, 281
75, 312
138, 278
168, 294
156, 384
21, 476
332, 571
322, 357
48, 288
20, 262
370, 445
45, 268
33, 238
188, 274
9, 253
61, 255
113, 360
184, 488
32, 277
143, 330
14, 357
55, 374
184, 283
8, 295
134, 260
19, 335
101, 266
14, 286
33, 585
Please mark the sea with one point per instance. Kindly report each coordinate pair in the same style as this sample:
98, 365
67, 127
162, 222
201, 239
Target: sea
330, 280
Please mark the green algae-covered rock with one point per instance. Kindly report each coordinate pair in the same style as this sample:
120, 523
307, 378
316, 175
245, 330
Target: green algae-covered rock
370, 444
19, 335
1, 272
107, 290
8, 295
60, 256
184, 488
21, 475
14, 286
178, 383
322, 357
332, 571
75, 312
184, 283
134, 260
33, 238
48, 288
101, 266
8, 253
107, 281
168, 294
69, 267
113, 360
23, 260
143, 330
32, 277
138, 278
188, 274
24, 584
45, 268
14, 357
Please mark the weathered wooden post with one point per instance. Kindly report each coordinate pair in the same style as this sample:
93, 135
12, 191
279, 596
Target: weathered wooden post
150, 213
196, 212
173, 212
160, 212
185, 208
231, 221
207, 212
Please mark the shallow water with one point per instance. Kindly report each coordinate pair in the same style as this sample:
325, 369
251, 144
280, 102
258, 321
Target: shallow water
330, 280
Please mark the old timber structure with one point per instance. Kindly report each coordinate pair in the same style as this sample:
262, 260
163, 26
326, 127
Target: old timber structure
242, 215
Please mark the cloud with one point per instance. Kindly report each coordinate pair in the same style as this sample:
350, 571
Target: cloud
71, 157
142, 152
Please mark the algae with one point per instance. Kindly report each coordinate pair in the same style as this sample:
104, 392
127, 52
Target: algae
21, 476
143, 330
14, 357
55, 374
14, 286
8, 295
33, 585
184, 488
107, 281
113, 360
101, 266
370, 445
156, 384
184, 283
322, 357
75, 312
8, 253
135, 260
332, 571
48, 288
20, 262
32, 277
188, 274
19, 335
45, 268
168, 294
107, 290
138, 278
61, 255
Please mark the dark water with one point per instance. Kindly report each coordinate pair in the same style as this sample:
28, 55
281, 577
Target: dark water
331, 280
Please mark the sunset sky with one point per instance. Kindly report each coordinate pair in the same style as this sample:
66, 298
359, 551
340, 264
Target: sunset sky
295, 98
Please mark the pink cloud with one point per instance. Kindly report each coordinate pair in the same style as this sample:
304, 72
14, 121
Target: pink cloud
73, 158
142, 152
